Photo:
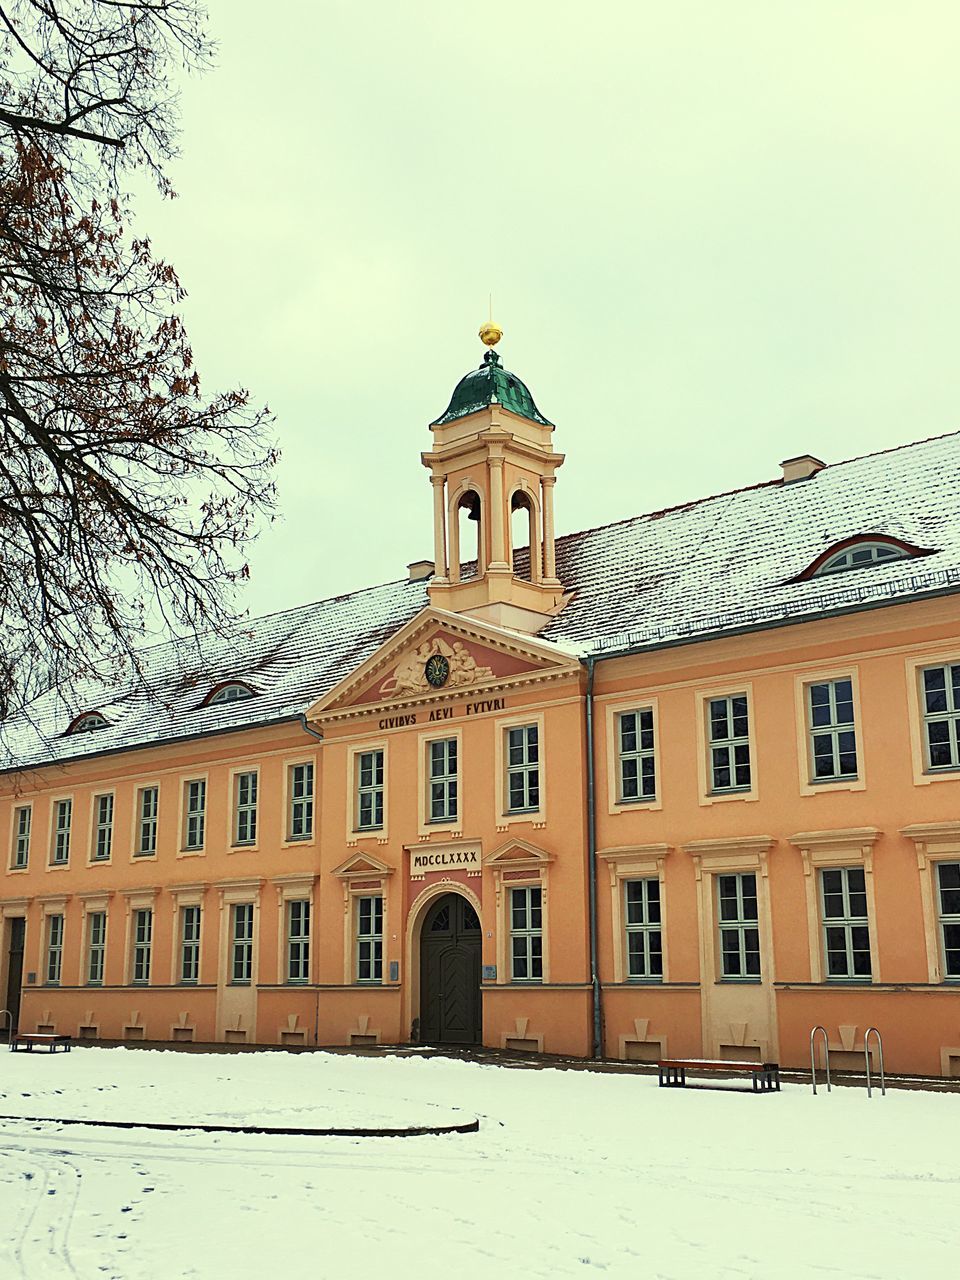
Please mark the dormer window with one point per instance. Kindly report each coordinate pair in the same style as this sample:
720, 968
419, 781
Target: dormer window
860, 553
232, 691
88, 722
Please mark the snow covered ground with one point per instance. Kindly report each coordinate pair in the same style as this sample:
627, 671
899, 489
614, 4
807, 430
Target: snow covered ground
572, 1173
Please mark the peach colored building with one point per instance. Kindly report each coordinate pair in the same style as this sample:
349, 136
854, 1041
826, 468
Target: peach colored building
684, 784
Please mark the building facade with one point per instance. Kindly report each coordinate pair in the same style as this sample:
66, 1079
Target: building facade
687, 784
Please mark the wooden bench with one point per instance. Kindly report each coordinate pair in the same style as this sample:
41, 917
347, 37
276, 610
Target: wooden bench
765, 1075
43, 1039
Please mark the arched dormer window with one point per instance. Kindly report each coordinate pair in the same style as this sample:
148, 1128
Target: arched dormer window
860, 553
228, 691
87, 722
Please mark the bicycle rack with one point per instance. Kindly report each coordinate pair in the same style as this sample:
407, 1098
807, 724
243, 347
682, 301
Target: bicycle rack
826, 1056
9, 1023
866, 1053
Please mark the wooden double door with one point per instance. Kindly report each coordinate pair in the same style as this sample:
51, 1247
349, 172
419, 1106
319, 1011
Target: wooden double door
450, 973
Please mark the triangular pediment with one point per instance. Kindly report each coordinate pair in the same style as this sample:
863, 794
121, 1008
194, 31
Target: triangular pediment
440, 655
515, 853
362, 864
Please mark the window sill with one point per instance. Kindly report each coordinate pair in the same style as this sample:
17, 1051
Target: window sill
240, 982
632, 800
644, 982
305, 839
244, 844
522, 813
190, 849
144, 853
739, 982
367, 831
845, 778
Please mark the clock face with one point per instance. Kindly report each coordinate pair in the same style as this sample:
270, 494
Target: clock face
437, 670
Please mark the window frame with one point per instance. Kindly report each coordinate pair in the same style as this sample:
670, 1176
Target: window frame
644, 929
947, 919
298, 944
141, 945
61, 836
851, 847
20, 852
143, 822
102, 829
241, 943
529, 933
219, 695
188, 948
370, 937
951, 715
96, 949
845, 923
307, 799
827, 566
640, 754
809, 786
525, 769
448, 780
245, 821
738, 927
730, 744
197, 815
53, 948
373, 789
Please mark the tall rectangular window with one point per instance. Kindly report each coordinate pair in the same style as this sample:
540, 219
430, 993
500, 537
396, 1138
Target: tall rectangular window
644, 940
241, 968
142, 943
729, 749
62, 818
190, 944
846, 930
523, 768
148, 811
442, 758
22, 820
948, 886
369, 790
54, 950
298, 940
941, 716
245, 817
738, 923
195, 809
526, 934
636, 758
96, 947
370, 939
833, 738
103, 827
300, 787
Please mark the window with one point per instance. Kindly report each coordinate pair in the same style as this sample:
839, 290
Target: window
88, 723
190, 944
739, 932
103, 827
833, 740
242, 946
644, 944
526, 934
442, 757
148, 810
22, 819
729, 749
298, 941
300, 784
523, 768
948, 884
370, 939
370, 790
941, 716
142, 943
62, 817
96, 947
54, 950
195, 804
845, 928
638, 771
861, 554
233, 692
245, 820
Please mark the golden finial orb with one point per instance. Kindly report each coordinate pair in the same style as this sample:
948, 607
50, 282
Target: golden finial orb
490, 333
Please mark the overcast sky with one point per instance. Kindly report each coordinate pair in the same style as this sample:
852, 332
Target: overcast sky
716, 233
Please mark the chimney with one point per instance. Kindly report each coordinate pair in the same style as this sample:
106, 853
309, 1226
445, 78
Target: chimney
802, 468
420, 570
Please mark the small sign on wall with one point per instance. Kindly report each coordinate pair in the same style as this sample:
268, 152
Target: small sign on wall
394, 970
489, 972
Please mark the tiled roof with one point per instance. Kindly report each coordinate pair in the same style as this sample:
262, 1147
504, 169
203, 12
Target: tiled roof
721, 563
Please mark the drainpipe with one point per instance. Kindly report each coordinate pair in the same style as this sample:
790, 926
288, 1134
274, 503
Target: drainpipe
592, 866
316, 1017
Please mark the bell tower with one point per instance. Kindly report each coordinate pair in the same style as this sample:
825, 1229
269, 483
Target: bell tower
493, 468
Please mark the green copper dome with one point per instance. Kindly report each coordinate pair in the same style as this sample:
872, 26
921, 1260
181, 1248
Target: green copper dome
491, 384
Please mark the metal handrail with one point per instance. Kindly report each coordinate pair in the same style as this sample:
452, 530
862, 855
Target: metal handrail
9, 1022
866, 1054
826, 1056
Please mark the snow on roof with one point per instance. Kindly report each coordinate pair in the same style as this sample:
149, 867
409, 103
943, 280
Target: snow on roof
720, 563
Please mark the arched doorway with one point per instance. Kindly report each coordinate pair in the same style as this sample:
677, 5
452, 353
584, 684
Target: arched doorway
450, 973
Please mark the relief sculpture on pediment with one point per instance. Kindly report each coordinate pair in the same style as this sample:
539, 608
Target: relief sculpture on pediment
458, 668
